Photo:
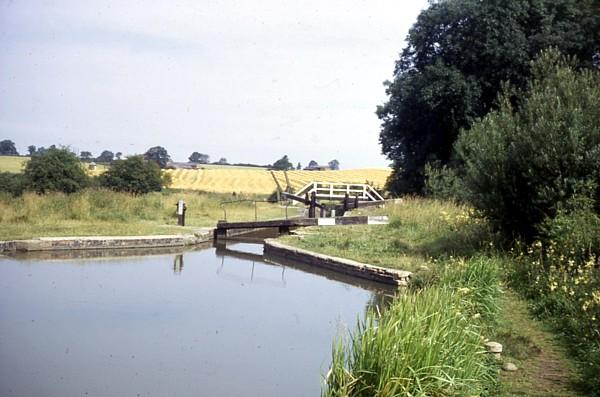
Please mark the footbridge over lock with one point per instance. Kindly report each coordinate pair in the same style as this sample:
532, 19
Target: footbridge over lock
340, 191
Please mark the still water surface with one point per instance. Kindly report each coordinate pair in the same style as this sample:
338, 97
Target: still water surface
203, 323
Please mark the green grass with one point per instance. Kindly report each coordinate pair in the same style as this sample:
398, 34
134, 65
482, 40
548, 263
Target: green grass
104, 212
544, 369
429, 342
13, 163
458, 270
419, 233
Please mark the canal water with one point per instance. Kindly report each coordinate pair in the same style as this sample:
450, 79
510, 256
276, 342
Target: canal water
208, 322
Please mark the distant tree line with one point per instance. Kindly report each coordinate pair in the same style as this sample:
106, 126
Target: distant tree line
284, 164
160, 156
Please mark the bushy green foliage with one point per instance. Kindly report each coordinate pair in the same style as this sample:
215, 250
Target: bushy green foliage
12, 183
458, 54
522, 165
134, 175
56, 170
442, 182
575, 231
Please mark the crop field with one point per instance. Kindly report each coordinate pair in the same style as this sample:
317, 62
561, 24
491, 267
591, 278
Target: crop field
12, 163
17, 164
235, 179
260, 181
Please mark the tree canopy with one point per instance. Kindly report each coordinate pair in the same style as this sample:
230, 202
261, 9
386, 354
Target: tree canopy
522, 165
55, 170
283, 164
459, 54
334, 164
197, 157
85, 156
7, 148
159, 155
105, 157
134, 175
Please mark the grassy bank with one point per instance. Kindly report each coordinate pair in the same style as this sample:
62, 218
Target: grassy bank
430, 342
104, 212
419, 233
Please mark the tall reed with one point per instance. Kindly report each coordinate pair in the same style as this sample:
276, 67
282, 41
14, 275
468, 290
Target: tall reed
429, 342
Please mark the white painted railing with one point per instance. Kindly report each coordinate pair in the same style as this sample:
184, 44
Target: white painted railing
336, 190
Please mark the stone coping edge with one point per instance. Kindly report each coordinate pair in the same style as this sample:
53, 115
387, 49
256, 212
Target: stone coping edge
342, 265
105, 242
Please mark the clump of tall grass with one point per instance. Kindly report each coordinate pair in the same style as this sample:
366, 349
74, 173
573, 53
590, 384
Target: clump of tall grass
427, 343
478, 281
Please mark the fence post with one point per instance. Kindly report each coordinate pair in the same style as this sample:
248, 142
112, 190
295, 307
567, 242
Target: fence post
313, 201
346, 202
181, 208
356, 201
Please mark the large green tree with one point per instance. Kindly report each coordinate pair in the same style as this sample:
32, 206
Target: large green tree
159, 155
283, 164
105, 157
458, 55
134, 175
55, 170
7, 148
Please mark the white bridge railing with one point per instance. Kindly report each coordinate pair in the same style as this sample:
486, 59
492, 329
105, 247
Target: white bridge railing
335, 190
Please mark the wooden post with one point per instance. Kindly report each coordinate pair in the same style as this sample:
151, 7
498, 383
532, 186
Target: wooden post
219, 233
288, 188
346, 202
356, 201
313, 202
181, 208
279, 190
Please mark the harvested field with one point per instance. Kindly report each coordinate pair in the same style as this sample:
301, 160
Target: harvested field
260, 181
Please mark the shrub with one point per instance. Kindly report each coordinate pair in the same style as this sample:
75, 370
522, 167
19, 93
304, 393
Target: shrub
134, 175
12, 183
55, 170
522, 165
574, 232
442, 182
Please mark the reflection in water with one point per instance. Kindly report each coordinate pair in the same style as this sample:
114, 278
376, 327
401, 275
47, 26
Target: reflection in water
125, 326
252, 249
178, 264
228, 254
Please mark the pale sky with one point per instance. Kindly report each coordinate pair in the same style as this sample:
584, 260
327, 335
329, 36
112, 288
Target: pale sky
246, 80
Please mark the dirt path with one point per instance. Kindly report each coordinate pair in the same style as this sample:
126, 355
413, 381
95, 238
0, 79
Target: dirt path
544, 369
